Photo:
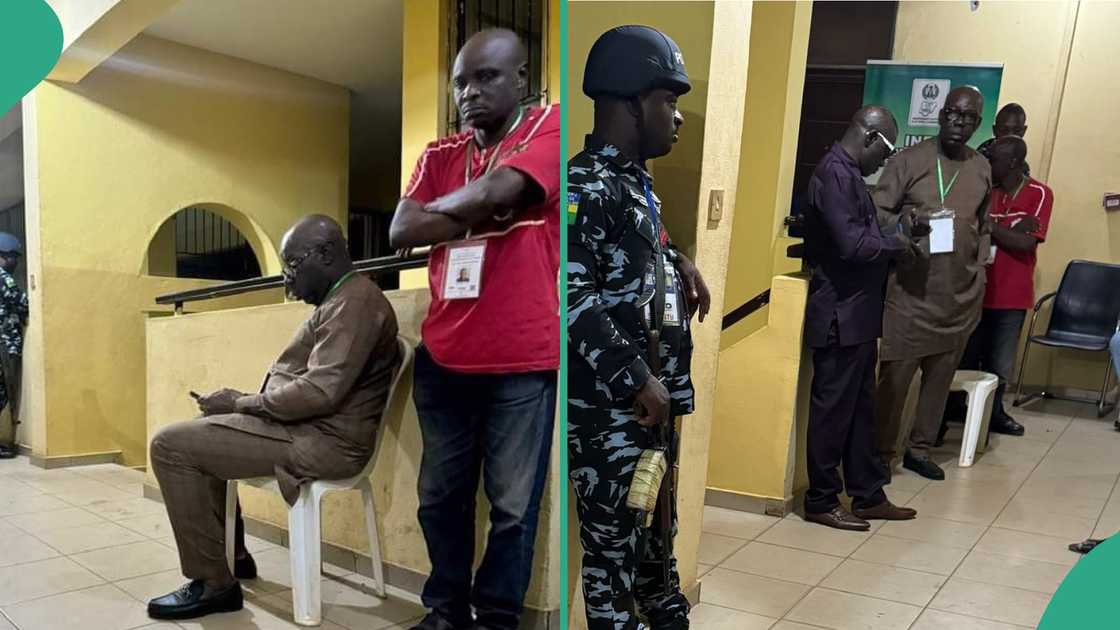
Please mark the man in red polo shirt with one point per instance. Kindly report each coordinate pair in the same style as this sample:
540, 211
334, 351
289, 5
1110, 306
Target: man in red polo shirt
1020, 215
488, 202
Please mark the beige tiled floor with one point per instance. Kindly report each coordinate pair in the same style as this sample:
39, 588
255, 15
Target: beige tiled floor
81, 548
987, 550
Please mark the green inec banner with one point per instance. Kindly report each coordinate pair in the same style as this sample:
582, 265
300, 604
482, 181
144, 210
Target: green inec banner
915, 94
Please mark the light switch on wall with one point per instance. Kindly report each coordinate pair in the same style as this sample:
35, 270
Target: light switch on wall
715, 204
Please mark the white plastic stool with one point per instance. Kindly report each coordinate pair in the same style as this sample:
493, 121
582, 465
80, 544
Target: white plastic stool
304, 533
980, 387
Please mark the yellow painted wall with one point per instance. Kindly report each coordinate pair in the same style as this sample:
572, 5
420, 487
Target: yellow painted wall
233, 348
1063, 81
779, 43
754, 422
1084, 166
706, 158
758, 423
158, 127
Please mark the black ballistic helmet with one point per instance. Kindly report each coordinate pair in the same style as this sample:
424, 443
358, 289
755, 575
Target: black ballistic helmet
629, 60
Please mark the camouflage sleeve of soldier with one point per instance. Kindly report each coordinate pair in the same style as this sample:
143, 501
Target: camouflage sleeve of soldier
591, 330
15, 298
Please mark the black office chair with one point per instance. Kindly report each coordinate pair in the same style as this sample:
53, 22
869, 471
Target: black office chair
1085, 315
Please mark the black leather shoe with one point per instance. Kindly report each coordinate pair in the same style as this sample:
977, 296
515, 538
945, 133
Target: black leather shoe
8, 452
924, 467
436, 621
244, 567
188, 603
839, 518
885, 511
1006, 425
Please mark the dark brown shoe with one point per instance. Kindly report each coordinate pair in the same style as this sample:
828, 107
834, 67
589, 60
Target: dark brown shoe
839, 518
886, 511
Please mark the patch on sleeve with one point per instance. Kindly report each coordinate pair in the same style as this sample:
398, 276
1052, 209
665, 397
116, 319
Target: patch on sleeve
573, 207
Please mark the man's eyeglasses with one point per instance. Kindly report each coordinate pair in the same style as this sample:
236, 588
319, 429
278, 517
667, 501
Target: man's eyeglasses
891, 149
291, 265
956, 115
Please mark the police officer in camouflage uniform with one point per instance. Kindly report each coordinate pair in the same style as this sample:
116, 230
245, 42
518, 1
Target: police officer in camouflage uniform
615, 404
13, 317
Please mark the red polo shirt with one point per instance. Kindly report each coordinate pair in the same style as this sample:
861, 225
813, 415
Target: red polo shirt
514, 323
1011, 274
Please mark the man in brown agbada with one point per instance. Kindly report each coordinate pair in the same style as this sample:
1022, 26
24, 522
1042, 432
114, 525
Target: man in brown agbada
315, 417
933, 303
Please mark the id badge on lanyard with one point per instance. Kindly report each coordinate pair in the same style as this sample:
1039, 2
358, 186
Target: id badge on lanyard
463, 273
672, 308
462, 279
941, 221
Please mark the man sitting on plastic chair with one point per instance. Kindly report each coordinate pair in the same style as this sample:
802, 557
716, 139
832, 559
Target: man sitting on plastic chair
1089, 544
316, 417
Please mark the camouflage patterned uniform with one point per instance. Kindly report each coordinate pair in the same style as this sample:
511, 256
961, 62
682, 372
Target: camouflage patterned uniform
611, 245
13, 317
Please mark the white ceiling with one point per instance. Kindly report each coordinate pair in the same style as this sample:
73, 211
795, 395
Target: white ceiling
351, 43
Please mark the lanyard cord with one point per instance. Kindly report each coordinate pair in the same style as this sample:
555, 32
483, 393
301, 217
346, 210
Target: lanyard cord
941, 182
493, 155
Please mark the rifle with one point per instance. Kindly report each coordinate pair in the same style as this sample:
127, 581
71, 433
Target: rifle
663, 509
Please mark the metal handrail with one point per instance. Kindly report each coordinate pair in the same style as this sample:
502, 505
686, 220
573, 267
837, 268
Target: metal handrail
375, 266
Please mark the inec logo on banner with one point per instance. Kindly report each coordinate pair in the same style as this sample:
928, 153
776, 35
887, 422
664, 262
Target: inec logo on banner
927, 97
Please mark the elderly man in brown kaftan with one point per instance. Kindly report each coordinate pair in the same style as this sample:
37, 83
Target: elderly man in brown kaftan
933, 303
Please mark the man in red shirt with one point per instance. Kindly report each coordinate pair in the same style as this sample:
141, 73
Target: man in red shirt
1020, 214
487, 201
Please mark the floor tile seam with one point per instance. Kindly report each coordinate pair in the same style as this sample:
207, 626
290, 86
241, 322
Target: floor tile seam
885, 599
881, 599
5, 617
62, 592
1028, 531
927, 542
74, 559
991, 619
1011, 557
895, 566
810, 625
728, 556
68, 554
991, 525
704, 531
776, 579
785, 546
1025, 479
1016, 588
1111, 494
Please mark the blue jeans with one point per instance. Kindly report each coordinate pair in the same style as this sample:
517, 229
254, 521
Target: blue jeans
992, 348
499, 427
1114, 347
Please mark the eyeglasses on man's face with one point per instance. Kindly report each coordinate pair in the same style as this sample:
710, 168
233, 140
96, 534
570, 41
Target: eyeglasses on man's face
954, 115
292, 264
891, 149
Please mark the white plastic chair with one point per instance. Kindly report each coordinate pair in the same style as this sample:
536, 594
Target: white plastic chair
980, 387
304, 534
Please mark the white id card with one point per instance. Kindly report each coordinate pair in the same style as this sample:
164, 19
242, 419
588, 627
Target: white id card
672, 309
941, 232
463, 278
992, 257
